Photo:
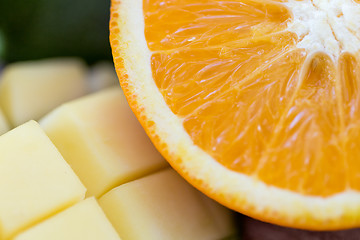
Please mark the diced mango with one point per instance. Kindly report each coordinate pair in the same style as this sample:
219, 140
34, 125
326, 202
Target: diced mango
29, 90
102, 75
4, 125
35, 181
102, 141
223, 217
85, 220
160, 206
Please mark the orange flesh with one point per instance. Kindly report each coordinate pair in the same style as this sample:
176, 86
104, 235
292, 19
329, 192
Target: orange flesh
251, 99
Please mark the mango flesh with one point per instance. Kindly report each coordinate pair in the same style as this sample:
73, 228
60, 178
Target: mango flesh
4, 125
106, 147
102, 75
85, 220
161, 206
223, 217
35, 180
101, 139
29, 90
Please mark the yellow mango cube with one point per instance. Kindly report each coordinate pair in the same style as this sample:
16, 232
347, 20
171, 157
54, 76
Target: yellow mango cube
102, 75
29, 90
35, 181
85, 220
101, 139
223, 217
4, 125
160, 206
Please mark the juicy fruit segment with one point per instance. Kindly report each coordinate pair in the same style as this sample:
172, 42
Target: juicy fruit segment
248, 97
35, 181
173, 25
257, 117
4, 125
162, 206
100, 138
307, 143
85, 220
29, 90
349, 82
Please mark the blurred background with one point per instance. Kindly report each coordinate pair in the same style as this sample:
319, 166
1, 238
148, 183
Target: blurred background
36, 29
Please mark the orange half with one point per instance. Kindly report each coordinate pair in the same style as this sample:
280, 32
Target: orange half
254, 102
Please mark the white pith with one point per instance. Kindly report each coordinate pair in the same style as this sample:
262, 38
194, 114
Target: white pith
235, 190
331, 26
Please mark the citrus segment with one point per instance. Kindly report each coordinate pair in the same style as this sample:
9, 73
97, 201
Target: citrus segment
192, 77
175, 24
236, 127
307, 147
350, 79
254, 102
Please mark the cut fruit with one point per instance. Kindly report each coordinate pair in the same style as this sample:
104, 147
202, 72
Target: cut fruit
101, 139
102, 75
85, 220
29, 90
163, 206
254, 102
35, 181
4, 125
224, 218
41, 197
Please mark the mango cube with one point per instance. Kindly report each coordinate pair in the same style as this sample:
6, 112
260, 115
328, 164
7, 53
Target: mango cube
35, 181
160, 206
4, 125
102, 75
101, 139
223, 216
29, 90
85, 220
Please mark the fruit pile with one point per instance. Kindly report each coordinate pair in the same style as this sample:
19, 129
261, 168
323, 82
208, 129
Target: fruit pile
254, 102
86, 169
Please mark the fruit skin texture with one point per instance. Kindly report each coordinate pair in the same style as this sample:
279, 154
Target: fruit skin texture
236, 191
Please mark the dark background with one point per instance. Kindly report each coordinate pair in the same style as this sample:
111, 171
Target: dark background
33, 29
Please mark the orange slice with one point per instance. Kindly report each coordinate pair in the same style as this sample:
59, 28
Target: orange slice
254, 102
